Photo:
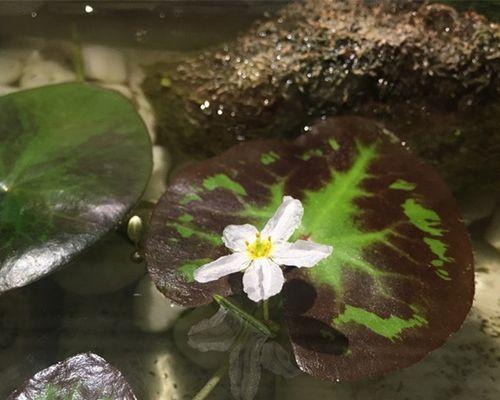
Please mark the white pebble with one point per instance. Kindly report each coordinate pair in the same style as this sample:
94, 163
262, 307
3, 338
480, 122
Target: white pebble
152, 310
40, 72
136, 78
474, 208
149, 120
11, 69
492, 234
7, 89
158, 180
104, 64
124, 90
206, 360
105, 268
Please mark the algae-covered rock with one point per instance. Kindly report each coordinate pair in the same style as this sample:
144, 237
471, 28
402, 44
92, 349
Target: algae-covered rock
326, 57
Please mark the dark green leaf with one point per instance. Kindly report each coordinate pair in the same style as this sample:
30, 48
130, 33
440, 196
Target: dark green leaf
73, 159
82, 377
400, 279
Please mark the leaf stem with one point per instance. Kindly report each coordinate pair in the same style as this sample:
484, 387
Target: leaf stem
212, 383
221, 371
244, 316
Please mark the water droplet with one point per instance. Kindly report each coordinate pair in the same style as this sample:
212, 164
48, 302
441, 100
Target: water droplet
205, 105
140, 35
34, 14
266, 102
88, 8
136, 257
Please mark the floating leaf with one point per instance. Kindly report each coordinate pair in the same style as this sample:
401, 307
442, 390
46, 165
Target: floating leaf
400, 279
73, 159
82, 377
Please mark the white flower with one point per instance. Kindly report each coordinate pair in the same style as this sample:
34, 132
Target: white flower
260, 254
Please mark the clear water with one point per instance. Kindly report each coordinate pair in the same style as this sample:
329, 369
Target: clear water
45, 322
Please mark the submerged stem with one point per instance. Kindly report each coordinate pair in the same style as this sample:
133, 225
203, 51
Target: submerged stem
221, 371
77, 54
212, 383
277, 387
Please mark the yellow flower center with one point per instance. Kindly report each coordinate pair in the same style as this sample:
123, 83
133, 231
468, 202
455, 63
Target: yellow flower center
260, 247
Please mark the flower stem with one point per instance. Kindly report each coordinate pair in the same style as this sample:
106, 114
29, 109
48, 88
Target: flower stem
212, 383
265, 310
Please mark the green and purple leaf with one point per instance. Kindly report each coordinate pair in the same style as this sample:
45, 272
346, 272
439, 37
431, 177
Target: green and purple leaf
400, 279
84, 376
73, 159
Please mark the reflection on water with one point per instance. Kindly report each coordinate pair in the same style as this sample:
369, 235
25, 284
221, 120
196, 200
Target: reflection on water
48, 321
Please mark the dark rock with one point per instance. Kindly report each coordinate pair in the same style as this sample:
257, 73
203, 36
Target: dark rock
325, 57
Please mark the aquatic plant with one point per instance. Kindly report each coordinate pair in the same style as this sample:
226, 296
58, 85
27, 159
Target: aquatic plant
84, 376
401, 255
259, 254
74, 158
